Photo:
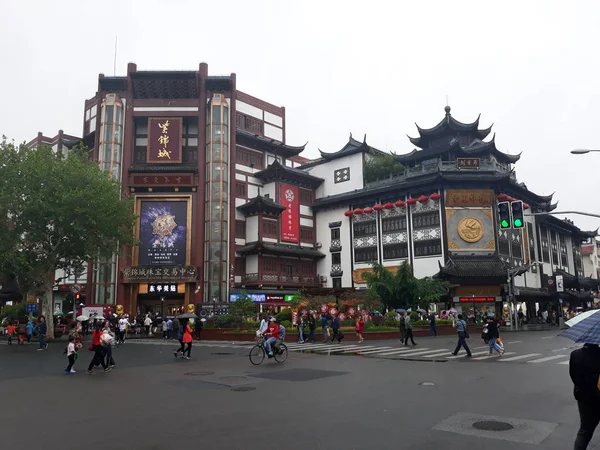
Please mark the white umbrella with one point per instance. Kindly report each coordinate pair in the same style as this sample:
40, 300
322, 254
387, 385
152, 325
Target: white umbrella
83, 318
584, 315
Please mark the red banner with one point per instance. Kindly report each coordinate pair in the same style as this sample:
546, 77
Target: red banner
164, 140
290, 218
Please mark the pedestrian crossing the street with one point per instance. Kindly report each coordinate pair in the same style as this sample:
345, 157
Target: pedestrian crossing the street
392, 352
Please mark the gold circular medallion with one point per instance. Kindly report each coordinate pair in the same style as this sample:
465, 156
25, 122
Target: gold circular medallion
470, 229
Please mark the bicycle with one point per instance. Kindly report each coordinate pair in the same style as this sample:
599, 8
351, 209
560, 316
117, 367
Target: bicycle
258, 352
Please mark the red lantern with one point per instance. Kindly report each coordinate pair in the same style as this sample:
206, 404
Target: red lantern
423, 199
358, 211
411, 201
435, 196
377, 207
502, 197
368, 210
399, 204
388, 205
525, 205
348, 213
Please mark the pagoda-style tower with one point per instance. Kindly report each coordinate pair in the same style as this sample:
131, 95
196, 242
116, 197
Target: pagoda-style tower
451, 139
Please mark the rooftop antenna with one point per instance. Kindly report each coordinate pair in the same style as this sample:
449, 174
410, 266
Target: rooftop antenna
115, 59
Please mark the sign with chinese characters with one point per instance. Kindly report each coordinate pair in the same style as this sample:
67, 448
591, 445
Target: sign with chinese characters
160, 274
162, 289
163, 233
164, 140
163, 180
469, 197
290, 218
256, 298
560, 285
467, 163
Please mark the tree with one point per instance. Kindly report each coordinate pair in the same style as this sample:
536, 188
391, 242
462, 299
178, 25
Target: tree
395, 290
429, 290
241, 309
380, 166
57, 212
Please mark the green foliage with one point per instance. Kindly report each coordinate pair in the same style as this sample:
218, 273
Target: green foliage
437, 322
429, 290
414, 316
224, 321
242, 309
379, 167
57, 212
285, 314
287, 324
395, 290
12, 313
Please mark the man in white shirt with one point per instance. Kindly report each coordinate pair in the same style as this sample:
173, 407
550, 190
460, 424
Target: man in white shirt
264, 324
123, 323
147, 324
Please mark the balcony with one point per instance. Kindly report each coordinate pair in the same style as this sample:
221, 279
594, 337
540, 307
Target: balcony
268, 279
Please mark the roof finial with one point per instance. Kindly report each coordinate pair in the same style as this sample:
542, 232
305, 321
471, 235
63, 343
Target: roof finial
365, 138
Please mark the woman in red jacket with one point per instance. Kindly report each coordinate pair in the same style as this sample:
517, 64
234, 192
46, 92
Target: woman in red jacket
187, 340
360, 326
96, 347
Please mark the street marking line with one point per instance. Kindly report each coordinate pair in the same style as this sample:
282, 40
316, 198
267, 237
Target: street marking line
303, 347
564, 363
462, 356
548, 337
421, 353
360, 349
437, 354
380, 349
495, 355
514, 342
548, 358
347, 347
483, 346
516, 358
403, 351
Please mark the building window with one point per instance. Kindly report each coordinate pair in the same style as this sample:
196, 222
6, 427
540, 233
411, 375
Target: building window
307, 234
341, 175
426, 220
249, 158
531, 242
365, 254
240, 229
288, 269
240, 266
337, 282
398, 251
428, 248
336, 258
269, 228
335, 234
248, 123
393, 224
270, 265
307, 268
365, 229
241, 189
307, 197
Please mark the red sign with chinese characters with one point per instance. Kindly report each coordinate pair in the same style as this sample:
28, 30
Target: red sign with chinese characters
164, 140
476, 299
290, 218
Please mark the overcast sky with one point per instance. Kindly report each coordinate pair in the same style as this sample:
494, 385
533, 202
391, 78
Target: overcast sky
374, 67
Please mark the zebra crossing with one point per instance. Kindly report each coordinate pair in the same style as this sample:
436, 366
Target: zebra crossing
390, 352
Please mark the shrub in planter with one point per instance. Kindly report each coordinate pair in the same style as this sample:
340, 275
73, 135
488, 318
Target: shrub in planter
224, 321
287, 324
390, 322
286, 314
348, 323
378, 320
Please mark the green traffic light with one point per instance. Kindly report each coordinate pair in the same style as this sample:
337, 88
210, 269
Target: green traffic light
518, 223
504, 224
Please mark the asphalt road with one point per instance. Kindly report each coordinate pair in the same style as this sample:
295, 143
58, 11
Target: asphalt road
315, 400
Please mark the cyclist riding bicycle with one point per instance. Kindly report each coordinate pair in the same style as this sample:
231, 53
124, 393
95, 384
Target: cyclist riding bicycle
272, 334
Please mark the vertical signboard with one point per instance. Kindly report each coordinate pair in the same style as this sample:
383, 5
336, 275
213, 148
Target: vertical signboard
290, 219
164, 140
164, 232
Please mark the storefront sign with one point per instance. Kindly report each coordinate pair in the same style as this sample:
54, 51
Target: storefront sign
469, 197
467, 163
560, 286
276, 298
162, 289
163, 180
163, 232
289, 298
157, 274
255, 298
290, 219
294, 317
164, 140
476, 299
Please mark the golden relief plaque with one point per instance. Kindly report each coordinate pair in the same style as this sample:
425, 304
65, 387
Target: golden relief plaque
470, 229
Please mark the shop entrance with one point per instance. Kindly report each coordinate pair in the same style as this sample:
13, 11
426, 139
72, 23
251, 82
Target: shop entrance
167, 305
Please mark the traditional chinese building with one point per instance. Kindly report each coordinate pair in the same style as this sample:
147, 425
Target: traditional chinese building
222, 209
440, 215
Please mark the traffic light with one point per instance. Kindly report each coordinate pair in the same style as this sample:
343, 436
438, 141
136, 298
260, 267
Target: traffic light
504, 215
517, 214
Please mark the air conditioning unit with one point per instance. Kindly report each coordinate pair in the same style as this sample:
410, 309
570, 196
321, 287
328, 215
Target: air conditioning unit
318, 245
323, 279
